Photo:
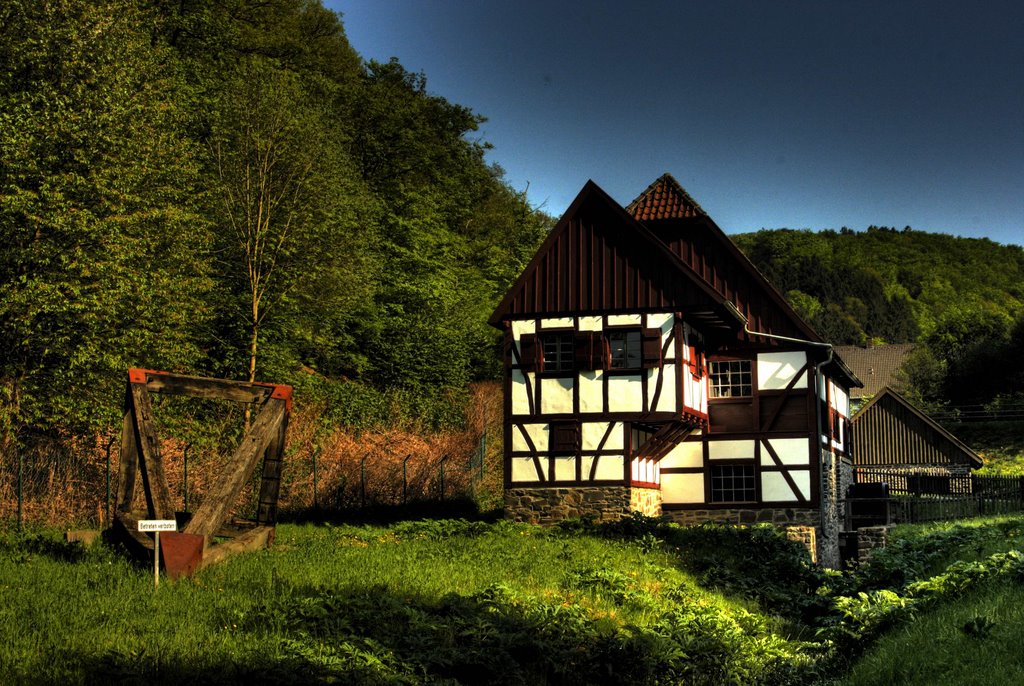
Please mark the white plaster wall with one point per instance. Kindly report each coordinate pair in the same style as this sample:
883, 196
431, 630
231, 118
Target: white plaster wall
609, 467
523, 469
523, 326
660, 320
774, 488
538, 434
685, 454
565, 468
591, 391
591, 323
730, 450
682, 488
667, 399
520, 401
840, 400
625, 394
793, 451
558, 323
593, 432
556, 395
776, 370
624, 320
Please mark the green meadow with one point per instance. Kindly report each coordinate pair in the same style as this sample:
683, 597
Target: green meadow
472, 602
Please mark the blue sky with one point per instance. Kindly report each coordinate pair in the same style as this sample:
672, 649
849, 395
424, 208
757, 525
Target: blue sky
771, 114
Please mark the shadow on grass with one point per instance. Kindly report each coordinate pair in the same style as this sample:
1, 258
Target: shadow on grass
372, 636
462, 508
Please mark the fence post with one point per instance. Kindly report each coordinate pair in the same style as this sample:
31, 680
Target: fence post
443, 460
362, 481
21, 479
483, 452
110, 444
184, 485
316, 502
405, 479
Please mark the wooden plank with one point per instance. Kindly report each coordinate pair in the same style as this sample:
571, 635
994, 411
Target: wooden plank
255, 539
215, 508
158, 496
270, 485
200, 387
129, 459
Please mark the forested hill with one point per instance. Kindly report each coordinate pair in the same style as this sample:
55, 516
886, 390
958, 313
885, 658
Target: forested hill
226, 187
962, 299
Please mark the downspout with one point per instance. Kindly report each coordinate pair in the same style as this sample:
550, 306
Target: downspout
817, 401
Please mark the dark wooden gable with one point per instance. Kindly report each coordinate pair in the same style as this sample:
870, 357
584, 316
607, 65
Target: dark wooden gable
598, 259
890, 431
690, 234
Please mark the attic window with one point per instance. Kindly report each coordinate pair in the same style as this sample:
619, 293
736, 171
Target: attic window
634, 348
731, 379
558, 352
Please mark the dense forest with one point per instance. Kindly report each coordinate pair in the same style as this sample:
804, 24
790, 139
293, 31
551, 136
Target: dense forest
960, 299
224, 187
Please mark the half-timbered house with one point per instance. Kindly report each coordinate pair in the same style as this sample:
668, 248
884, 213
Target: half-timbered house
650, 367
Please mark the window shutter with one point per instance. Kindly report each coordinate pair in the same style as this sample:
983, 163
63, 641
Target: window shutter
651, 348
589, 350
564, 438
531, 355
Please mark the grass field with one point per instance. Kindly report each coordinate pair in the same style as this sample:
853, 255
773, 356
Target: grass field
454, 601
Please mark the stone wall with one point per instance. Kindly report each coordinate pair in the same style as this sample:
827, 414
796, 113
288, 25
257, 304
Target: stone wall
550, 505
645, 501
769, 515
869, 539
807, 536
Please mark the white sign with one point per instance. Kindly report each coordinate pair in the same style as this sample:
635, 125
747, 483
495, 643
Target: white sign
158, 525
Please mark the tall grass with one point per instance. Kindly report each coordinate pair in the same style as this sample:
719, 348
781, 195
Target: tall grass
973, 641
443, 601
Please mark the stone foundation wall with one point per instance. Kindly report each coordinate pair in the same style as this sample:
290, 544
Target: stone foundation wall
645, 501
800, 524
768, 515
550, 505
807, 536
869, 539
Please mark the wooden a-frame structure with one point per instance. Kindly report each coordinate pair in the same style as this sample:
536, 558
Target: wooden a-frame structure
192, 547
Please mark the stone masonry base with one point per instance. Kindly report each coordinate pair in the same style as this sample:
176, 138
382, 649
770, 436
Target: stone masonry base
550, 505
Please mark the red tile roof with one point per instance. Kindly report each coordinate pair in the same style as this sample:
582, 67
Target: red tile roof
664, 199
876, 366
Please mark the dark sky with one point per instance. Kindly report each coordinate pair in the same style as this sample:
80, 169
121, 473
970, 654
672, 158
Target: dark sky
771, 114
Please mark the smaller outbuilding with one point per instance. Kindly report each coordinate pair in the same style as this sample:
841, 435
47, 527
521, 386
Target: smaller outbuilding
889, 432
876, 366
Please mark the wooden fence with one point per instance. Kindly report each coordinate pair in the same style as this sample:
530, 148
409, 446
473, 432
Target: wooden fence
912, 496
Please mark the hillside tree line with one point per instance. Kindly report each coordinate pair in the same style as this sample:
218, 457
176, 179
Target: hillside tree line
960, 299
226, 188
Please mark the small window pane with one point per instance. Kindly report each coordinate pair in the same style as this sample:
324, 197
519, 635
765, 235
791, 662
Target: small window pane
625, 348
730, 379
732, 484
558, 352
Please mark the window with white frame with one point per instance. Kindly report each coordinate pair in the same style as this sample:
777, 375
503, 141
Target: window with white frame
730, 379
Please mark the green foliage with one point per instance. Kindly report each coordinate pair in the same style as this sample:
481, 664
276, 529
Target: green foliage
198, 186
960, 298
101, 242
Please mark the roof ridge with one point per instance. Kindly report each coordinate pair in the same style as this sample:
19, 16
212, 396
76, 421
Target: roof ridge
657, 209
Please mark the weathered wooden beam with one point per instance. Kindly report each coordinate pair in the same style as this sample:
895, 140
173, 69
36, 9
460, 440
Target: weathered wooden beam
255, 539
201, 387
215, 508
129, 460
158, 496
270, 484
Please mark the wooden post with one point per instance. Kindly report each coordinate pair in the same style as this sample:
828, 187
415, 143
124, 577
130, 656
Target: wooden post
211, 514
